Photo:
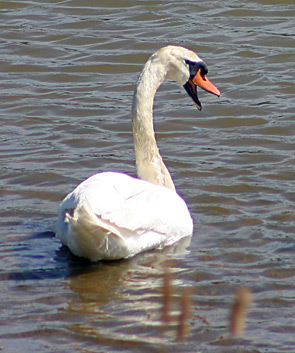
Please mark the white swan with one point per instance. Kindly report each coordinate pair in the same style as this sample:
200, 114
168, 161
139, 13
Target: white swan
112, 215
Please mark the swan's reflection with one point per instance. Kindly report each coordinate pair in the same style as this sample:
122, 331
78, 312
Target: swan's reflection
123, 298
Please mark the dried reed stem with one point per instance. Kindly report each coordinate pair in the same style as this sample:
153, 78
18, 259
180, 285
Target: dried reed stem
243, 300
167, 301
167, 295
184, 315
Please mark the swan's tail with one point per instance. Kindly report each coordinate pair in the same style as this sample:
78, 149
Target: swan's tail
91, 237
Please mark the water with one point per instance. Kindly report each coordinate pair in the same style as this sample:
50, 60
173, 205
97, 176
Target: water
67, 75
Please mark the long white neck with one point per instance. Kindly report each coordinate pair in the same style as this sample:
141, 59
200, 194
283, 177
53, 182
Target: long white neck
149, 163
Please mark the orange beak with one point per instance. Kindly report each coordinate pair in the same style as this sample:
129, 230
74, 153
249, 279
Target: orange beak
205, 83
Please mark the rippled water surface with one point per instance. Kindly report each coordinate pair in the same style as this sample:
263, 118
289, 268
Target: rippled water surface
68, 70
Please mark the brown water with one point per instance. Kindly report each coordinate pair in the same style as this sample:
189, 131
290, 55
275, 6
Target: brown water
67, 74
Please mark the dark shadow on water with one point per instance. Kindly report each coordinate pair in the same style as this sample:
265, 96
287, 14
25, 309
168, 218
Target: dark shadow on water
41, 256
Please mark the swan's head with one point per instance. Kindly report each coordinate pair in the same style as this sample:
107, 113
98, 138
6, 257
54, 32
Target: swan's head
188, 69
198, 77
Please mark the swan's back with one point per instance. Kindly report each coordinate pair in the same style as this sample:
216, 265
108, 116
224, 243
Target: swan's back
112, 215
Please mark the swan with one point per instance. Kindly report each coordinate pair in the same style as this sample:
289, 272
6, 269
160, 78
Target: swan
113, 215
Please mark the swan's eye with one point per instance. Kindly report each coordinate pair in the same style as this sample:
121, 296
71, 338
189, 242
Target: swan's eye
204, 70
194, 67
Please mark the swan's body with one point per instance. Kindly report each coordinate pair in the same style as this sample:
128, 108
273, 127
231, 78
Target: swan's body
113, 215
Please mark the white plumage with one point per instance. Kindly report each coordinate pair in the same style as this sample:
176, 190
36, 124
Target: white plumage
113, 215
